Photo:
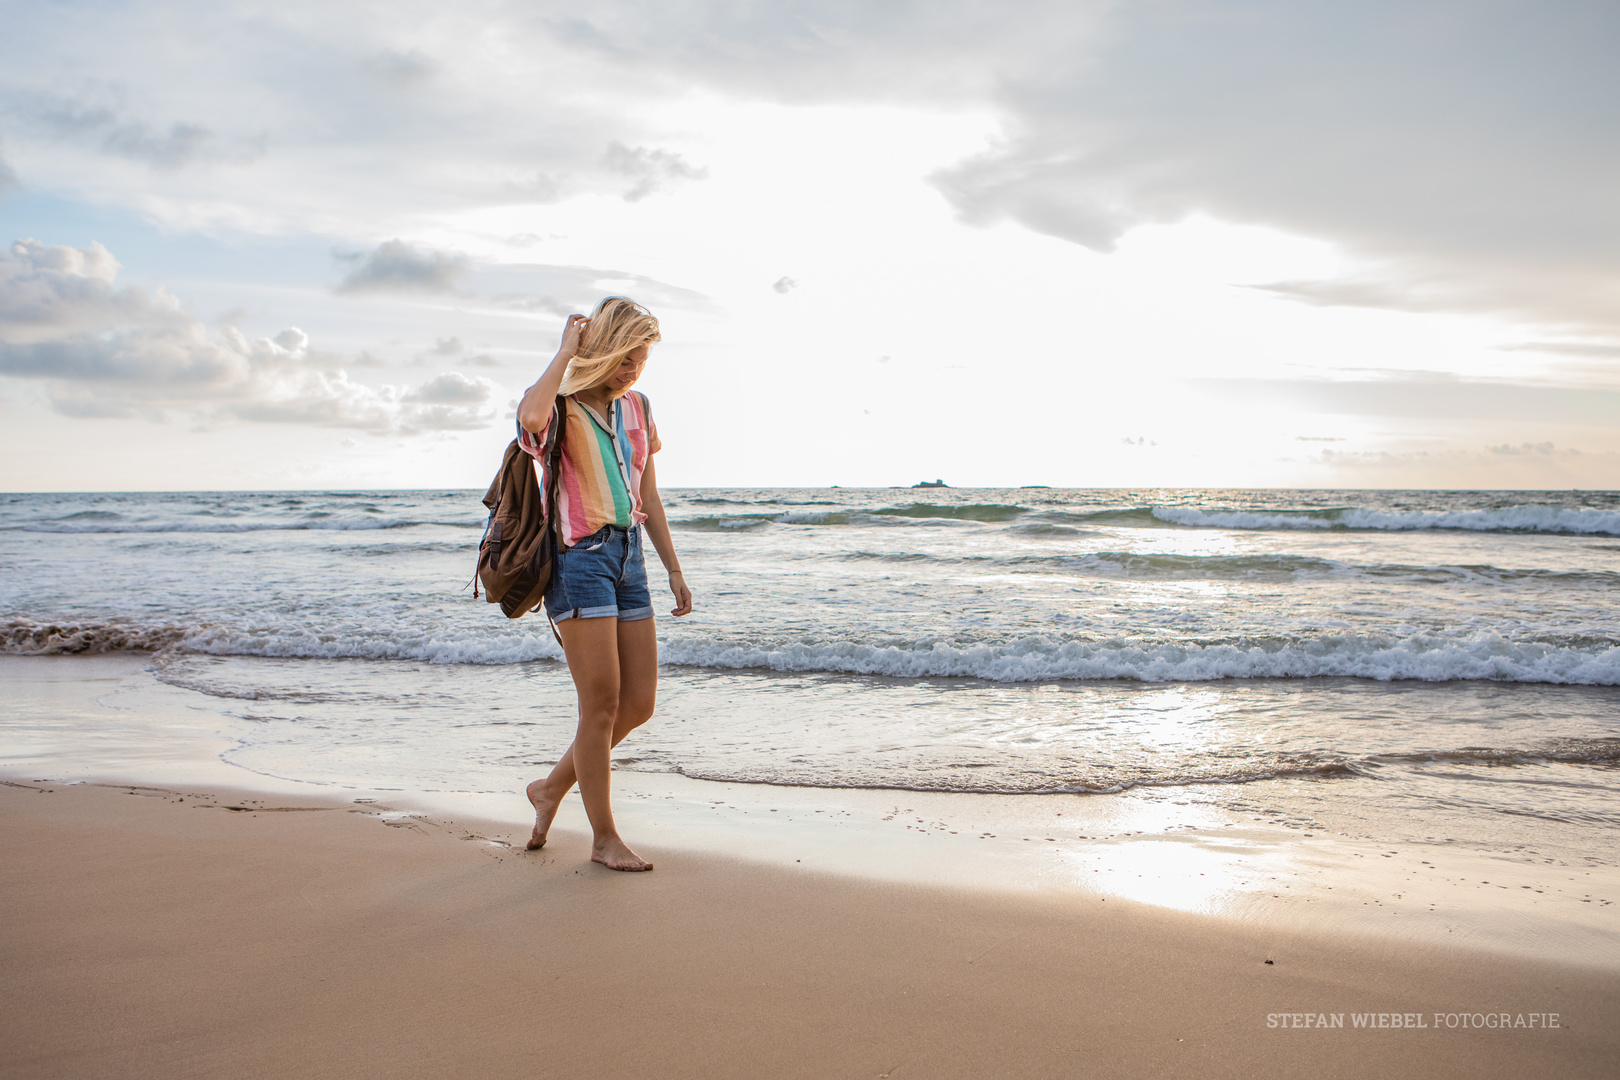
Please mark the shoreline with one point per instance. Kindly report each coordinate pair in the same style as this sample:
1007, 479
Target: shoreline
106, 719
206, 930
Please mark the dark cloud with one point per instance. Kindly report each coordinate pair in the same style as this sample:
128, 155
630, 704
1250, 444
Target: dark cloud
171, 149
651, 170
107, 128
784, 284
841, 51
402, 70
449, 402
544, 305
8, 176
451, 388
539, 188
538, 288
146, 357
105, 351
46, 292
395, 266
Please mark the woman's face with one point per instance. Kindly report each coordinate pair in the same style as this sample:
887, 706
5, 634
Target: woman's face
630, 370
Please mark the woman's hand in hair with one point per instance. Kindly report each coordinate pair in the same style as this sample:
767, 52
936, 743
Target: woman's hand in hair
534, 411
572, 332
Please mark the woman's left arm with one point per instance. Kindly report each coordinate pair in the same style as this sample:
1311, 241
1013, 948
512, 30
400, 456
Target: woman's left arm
658, 529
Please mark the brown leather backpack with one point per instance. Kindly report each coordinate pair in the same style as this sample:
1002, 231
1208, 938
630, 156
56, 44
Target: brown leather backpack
519, 549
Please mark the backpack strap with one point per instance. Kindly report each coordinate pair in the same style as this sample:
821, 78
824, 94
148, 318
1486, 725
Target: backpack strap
559, 422
553, 462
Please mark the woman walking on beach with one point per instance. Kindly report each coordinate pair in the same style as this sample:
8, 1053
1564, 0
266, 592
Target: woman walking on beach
607, 493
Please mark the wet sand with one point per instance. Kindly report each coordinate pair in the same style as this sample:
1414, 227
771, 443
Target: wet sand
108, 719
210, 932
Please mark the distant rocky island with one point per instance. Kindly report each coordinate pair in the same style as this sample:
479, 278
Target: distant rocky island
935, 483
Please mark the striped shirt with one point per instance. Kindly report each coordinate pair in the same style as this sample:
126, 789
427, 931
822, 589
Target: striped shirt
601, 464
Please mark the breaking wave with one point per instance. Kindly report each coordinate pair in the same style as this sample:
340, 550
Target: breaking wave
1429, 658
1034, 658
23, 637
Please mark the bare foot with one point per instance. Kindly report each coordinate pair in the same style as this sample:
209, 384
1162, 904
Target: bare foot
545, 808
615, 854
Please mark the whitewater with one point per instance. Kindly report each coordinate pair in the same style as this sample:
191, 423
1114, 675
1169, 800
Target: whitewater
1006, 585
1456, 653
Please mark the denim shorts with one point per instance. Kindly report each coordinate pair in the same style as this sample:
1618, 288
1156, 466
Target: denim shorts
602, 576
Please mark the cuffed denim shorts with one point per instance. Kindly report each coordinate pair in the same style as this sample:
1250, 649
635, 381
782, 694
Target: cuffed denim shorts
602, 576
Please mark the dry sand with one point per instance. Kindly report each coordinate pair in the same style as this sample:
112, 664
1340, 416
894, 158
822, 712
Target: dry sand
151, 932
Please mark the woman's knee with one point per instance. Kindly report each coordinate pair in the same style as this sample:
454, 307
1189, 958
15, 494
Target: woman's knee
601, 707
638, 702
598, 728
599, 704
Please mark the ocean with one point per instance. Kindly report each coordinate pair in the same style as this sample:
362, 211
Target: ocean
1419, 666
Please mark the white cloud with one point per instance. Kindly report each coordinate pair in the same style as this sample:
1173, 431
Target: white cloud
1441, 163
1463, 154
107, 351
1427, 395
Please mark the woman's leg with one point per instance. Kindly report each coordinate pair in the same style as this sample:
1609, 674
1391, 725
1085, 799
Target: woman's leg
614, 675
638, 676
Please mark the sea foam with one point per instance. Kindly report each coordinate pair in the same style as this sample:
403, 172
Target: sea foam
1486, 656
1542, 519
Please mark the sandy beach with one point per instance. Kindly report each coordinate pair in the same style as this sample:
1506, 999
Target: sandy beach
207, 932
270, 831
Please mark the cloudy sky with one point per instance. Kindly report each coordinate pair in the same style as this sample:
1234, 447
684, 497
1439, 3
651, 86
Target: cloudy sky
1163, 242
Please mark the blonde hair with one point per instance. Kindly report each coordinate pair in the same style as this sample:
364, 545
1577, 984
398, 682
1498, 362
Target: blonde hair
617, 326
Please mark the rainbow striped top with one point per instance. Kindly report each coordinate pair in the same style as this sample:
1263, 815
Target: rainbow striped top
601, 464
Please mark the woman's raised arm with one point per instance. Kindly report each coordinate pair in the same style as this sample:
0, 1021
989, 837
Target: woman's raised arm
534, 411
